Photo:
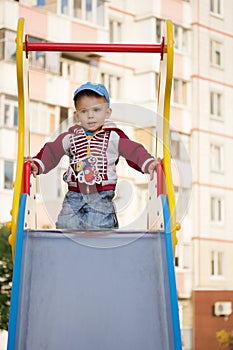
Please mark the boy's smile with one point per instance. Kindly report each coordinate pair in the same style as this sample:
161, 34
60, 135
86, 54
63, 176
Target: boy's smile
92, 112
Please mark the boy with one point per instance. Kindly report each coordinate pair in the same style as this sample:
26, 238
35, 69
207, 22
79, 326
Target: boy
93, 149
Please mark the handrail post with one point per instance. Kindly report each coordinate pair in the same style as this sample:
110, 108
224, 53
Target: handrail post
26, 178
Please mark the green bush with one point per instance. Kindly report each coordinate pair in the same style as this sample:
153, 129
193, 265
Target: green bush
6, 269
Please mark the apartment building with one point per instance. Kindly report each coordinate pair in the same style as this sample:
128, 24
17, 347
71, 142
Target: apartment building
201, 119
211, 137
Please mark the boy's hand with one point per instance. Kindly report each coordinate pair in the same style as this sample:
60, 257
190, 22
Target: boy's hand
34, 168
152, 167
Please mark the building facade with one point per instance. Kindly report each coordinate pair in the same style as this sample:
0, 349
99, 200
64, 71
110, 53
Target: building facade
201, 119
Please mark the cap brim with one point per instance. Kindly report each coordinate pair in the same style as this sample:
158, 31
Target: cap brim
88, 89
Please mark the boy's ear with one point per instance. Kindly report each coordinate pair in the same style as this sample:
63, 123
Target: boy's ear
108, 112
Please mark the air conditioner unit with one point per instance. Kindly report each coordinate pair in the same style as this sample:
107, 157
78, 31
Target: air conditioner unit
223, 308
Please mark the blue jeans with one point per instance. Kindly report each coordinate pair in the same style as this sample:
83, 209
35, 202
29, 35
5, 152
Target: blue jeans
94, 211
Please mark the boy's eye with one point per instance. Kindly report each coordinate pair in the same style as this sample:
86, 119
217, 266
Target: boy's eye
83, 111
97, 109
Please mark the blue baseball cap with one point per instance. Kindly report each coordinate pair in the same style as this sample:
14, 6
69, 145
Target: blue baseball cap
100, 89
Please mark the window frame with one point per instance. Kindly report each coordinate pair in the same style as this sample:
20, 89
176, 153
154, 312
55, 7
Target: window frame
181, 42
159, 30
216, 105
217, 210
179, 94
112, 83
216, 8
5, 188
10, 121
7, 45
115, 30
216, 259
67, 68
44, 118
42, 60
91, 11
214, 147
216, 53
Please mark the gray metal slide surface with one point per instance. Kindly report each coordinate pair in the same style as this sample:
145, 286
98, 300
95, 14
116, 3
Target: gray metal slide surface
93, 291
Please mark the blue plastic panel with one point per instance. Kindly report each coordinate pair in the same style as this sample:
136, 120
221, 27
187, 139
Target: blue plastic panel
90, 291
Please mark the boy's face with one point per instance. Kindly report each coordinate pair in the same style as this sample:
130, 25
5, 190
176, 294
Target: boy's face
92, 111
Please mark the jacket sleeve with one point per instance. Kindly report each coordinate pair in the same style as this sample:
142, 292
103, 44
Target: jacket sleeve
135, 153
51, 153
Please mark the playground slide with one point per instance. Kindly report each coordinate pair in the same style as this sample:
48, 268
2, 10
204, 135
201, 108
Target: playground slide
92, 290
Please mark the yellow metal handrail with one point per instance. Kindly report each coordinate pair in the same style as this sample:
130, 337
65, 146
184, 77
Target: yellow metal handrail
166, 133
21, 134
164, 98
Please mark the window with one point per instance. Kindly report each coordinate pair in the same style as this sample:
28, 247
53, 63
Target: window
40, 2
216, 263
87, 10
181, 36
216, 7
63, 123
158, 33
175, 149
112, 84
216, 53
77, 12
49, 61
115, 29
8, 174
2, 44
179, 91
216, 104
216, 158
50, 5
10, 117
52, 62
36, 58
184, 254
100, 13
64, 7
67, 68
15, 121
178, 150
43, 121
216, 209
7, 45
51, 119
6, 115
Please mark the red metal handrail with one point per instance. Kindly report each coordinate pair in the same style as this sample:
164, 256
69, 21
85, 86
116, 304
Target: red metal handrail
90, 47
26, 178
160, 178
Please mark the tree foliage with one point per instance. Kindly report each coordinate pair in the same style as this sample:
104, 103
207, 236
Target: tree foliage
6, 269
225, 339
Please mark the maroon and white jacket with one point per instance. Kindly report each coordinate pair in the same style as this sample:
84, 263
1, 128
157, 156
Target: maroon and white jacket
93, 159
